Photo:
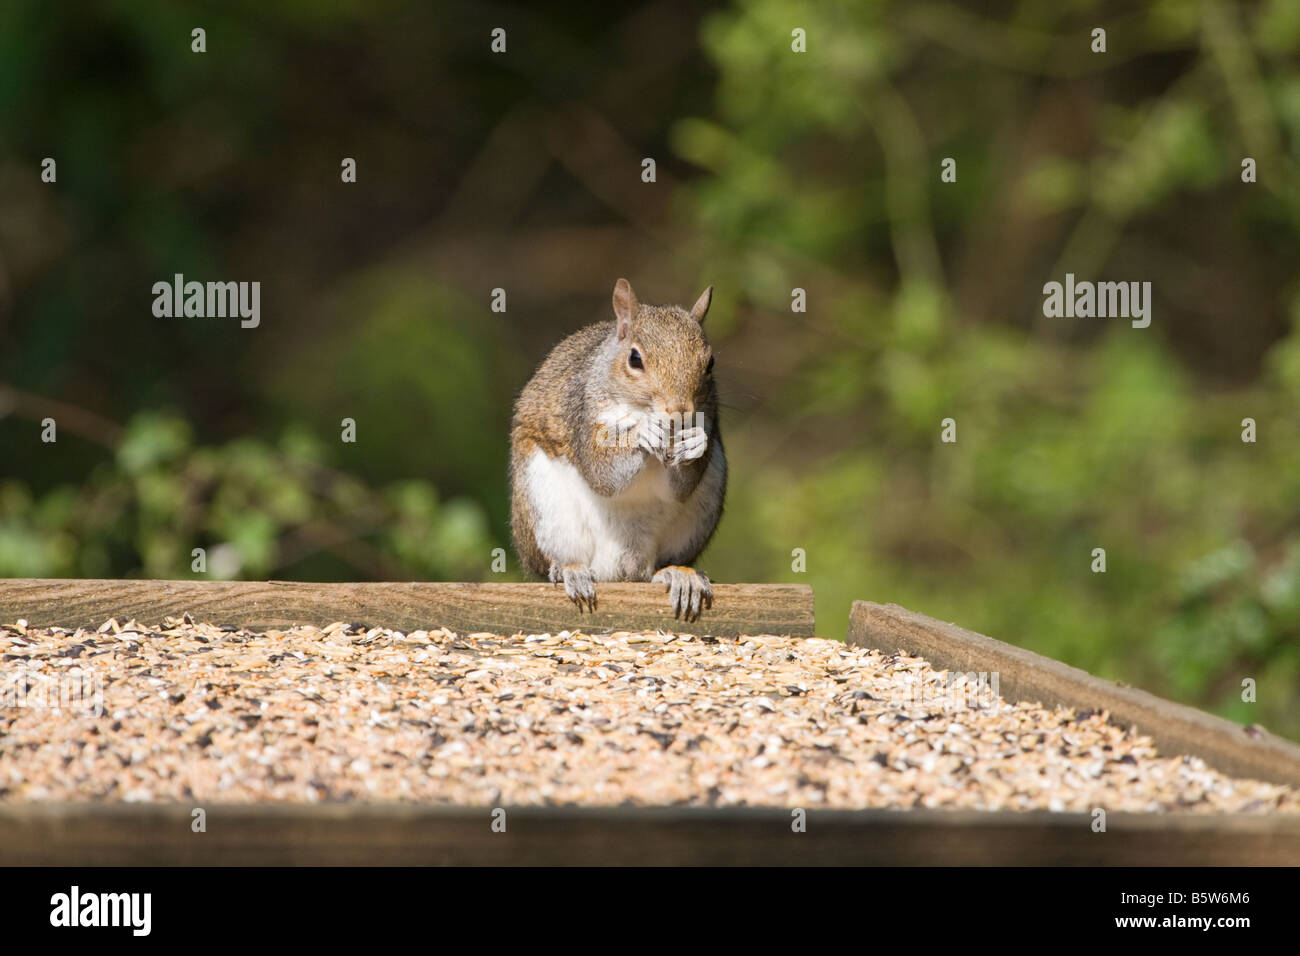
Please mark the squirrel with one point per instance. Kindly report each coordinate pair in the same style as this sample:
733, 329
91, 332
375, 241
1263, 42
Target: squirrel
617, 471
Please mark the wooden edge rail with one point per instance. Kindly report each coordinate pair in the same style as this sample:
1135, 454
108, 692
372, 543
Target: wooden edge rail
123, 834
499, 608
1022, 675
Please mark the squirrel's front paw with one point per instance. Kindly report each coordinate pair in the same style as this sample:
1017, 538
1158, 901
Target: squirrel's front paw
653, 435
579, 584
690, 591
689, 444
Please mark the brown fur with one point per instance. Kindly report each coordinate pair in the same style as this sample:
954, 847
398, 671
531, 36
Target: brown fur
587, 373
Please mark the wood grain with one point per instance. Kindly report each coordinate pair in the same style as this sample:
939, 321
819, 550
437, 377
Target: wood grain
411, 835
499, 608
1239, 751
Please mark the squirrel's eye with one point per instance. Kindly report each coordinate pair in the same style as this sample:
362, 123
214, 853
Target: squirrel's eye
634, 359
708, 369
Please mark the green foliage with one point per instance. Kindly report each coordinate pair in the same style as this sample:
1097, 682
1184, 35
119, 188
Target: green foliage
428, 384
258, 509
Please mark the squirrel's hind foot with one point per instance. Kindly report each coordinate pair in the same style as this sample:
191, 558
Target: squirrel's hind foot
689, 591
579, 584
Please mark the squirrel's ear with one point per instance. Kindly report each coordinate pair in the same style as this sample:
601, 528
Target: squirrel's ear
625, 307
701, 307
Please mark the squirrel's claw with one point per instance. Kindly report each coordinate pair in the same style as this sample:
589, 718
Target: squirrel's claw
579, 584
689, 591
653, 435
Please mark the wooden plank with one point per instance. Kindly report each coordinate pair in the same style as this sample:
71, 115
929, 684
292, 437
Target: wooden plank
1025, 676
500, 608
411, 835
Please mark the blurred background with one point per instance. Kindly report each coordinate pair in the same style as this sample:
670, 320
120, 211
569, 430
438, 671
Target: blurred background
775, 170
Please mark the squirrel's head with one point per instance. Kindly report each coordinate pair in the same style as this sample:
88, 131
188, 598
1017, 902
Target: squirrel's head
663, 360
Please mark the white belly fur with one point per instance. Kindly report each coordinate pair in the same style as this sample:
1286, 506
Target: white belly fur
620, 537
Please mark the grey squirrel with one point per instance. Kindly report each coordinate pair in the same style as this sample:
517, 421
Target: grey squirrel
617, 471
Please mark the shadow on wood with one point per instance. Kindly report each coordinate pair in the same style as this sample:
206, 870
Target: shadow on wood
400, 834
